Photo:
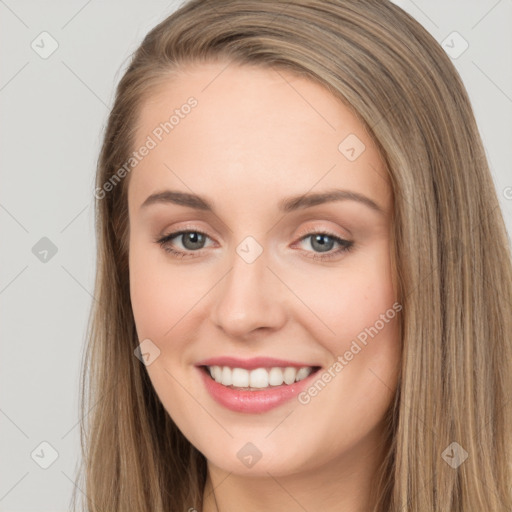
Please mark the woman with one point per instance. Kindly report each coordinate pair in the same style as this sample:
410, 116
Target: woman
304, 281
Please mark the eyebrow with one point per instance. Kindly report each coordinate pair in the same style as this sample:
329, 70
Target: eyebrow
286, 205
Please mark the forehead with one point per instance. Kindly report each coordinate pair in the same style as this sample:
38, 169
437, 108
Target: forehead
252, 131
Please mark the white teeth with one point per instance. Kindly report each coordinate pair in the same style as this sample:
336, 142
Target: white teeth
303, 373
227, 380
240, 377
289, 375
217, 371
275, 377
258, 378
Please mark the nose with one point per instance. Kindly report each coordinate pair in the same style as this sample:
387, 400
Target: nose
250, 297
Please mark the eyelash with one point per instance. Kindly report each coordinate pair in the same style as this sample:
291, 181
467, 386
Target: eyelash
345, 245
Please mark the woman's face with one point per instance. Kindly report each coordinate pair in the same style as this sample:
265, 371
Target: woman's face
286, 264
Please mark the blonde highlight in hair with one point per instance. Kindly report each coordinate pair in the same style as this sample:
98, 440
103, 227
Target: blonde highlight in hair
451, 255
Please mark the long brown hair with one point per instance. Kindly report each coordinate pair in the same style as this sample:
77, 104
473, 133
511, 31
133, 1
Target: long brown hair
451, 253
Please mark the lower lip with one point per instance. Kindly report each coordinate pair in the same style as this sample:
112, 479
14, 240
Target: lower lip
253, 402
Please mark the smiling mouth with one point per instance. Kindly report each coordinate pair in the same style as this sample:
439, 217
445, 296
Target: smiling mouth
258, 378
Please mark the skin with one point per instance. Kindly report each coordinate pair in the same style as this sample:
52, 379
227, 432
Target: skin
256, 137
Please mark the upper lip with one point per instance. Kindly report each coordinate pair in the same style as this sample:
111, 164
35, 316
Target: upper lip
252, 363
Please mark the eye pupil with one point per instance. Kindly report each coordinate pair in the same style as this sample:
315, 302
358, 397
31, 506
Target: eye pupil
321, 239
196, 240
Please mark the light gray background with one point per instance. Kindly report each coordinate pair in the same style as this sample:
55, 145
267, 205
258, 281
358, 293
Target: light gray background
53, 114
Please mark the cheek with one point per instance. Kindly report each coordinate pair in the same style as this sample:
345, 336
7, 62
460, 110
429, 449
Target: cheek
161, 294
163, 307
146, 292
343, 300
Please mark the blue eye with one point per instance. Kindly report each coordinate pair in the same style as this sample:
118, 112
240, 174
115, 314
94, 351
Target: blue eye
193, 241
325, 242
